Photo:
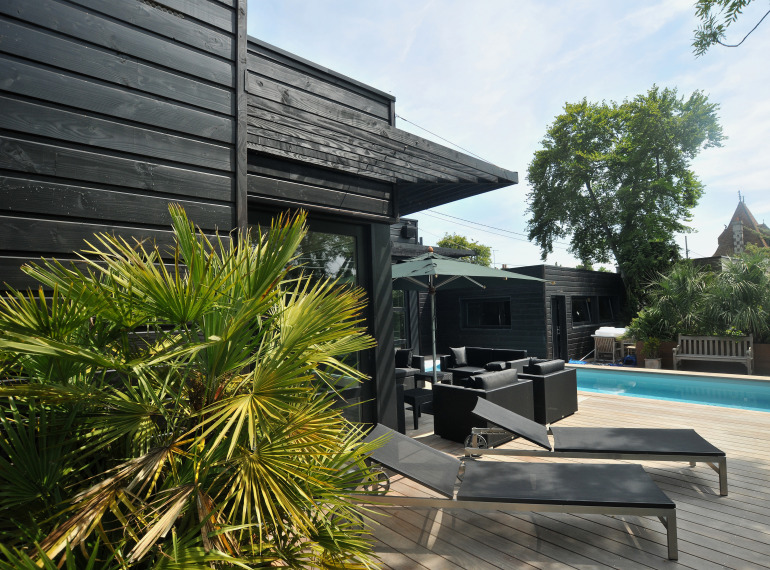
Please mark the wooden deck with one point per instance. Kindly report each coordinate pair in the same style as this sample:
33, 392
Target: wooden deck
714, 532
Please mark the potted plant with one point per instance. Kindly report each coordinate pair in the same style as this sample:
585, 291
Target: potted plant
652, 352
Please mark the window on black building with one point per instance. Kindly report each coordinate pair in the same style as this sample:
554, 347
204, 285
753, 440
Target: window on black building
486, 313
581, 311
606, 309
400, 337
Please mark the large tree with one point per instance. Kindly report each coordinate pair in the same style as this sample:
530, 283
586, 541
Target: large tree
716, 16
482, 254
615, 179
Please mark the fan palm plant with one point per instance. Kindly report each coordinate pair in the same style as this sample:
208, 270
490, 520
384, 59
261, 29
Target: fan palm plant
740, 302
176, 409
677, 302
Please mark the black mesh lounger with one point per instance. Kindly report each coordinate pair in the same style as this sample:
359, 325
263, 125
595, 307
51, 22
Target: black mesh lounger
614, 489
598, 443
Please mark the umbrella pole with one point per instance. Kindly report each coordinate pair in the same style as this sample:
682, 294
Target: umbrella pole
432, 293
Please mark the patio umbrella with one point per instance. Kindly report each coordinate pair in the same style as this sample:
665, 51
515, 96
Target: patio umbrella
432, 271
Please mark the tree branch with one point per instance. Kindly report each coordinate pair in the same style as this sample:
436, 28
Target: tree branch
747, 35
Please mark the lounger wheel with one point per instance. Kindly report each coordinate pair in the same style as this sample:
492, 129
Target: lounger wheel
481, 442
379, 483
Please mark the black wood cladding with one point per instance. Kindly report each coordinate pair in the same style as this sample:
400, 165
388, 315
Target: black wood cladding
301, 113
530, 311
109, 112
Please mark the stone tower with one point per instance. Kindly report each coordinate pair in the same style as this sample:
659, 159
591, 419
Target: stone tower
742, 230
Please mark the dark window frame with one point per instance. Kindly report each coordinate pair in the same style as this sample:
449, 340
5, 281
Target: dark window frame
400, 312
612, 304
585, 300
464, 324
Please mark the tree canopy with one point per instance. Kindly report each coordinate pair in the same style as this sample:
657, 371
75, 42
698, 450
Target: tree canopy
482, 253
615, 179
716, 16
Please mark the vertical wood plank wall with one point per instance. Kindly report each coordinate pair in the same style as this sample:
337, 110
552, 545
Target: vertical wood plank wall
109, 111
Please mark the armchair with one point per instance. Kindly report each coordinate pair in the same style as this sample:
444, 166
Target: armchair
407, 365
554, 387
452, 405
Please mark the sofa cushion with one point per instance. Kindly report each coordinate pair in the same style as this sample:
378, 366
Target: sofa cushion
460, 357
403, 357
402, 373
466, 371
478, 356
496, 366
493, 380
543, 368
509, 354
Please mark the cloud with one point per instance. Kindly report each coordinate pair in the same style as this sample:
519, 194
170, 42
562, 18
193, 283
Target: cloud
491, 75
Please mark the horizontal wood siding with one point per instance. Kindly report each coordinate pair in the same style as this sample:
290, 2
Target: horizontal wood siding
527, 315
111, 111
531, 326
302, 113
310, 140
571, 283
287, 184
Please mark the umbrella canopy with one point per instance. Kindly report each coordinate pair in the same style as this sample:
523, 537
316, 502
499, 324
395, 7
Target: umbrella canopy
446, 273
432, 271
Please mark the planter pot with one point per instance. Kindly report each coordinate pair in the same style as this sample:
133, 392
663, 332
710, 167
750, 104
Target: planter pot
666, 352
762, 359
666, 358
652, 363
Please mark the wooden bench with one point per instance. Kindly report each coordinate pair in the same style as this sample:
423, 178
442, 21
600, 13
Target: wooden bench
715, 348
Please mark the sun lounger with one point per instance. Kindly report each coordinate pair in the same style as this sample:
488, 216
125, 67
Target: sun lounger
637, 444
614, 489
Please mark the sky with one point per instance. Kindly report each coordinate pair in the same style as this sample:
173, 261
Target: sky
490, 76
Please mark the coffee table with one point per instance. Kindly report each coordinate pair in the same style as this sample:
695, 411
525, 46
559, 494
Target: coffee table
443, 377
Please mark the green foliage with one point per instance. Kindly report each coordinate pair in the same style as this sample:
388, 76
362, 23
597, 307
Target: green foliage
176, 409
482, 253
677, 302
715, 17
615, 179
740, 298
652, 347
696, 301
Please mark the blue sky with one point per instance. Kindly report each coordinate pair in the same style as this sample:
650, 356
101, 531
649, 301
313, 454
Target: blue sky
491, 75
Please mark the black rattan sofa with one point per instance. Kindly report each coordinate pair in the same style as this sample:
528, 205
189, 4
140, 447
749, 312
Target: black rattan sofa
467, 361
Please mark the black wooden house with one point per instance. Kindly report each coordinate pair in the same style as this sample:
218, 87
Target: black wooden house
110, 110
552, 319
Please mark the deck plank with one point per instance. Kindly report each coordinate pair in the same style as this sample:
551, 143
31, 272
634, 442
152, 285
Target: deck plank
714, 531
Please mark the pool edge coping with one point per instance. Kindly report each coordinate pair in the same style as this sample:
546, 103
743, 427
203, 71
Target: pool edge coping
753, 377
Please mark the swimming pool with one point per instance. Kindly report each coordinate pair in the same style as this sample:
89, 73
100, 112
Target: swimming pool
712, 391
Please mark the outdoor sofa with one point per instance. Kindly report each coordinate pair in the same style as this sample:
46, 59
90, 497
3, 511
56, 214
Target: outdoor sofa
608, 489
636, 444
453, 417
467, 361
554, 387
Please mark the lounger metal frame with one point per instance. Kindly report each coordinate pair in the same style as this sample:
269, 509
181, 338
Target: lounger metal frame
720, 466
667, 516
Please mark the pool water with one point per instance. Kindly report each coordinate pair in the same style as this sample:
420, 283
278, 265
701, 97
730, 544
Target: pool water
712, 391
